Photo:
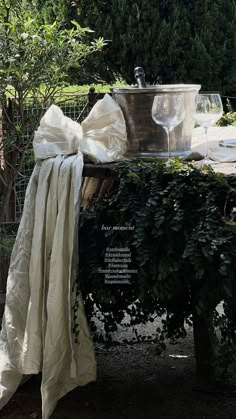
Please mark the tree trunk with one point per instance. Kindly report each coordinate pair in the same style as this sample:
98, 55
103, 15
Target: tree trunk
7, 212
205, 346
4, 265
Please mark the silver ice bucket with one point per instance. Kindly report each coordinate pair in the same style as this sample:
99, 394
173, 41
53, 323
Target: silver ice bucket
145, 138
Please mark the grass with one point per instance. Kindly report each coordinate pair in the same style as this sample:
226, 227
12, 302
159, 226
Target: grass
100, 88
75, 89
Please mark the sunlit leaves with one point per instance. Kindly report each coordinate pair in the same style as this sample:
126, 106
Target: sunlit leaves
33, 53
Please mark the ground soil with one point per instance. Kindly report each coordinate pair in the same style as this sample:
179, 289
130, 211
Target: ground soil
134, 382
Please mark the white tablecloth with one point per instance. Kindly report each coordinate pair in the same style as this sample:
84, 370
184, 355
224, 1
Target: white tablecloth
225, 157
215, 134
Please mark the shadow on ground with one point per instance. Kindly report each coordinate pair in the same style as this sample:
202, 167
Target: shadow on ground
134, 383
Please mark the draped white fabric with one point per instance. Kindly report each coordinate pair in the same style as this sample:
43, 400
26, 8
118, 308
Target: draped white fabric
42, 290
37, 326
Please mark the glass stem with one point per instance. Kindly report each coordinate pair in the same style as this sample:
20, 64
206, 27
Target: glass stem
206, 142
168, 142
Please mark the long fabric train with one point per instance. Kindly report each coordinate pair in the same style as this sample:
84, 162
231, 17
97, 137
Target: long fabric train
36, 333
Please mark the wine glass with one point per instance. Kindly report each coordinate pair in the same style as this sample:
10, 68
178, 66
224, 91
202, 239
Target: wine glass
207, 110
168, 111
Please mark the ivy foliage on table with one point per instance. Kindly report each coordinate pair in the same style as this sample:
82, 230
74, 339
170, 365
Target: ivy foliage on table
183, 246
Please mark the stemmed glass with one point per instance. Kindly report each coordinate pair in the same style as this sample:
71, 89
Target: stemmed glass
207, 109
168, 111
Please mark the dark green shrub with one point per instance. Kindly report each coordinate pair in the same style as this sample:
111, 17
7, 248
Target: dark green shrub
182, 246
